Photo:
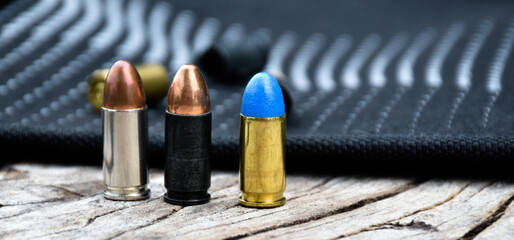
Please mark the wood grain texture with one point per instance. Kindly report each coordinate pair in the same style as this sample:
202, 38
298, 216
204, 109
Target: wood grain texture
503, 228
41, 202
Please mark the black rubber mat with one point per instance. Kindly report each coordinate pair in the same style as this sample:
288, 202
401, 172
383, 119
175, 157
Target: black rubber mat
373, 80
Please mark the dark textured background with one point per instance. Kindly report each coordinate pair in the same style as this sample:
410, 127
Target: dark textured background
48, 47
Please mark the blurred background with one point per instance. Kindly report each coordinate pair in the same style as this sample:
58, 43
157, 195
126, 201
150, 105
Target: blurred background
364, 79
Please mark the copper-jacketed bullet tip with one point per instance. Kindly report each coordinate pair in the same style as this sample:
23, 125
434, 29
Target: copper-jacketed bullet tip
123, 87
188, 94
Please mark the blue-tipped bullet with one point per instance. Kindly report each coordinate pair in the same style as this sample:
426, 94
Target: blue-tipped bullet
263, 97
262, 143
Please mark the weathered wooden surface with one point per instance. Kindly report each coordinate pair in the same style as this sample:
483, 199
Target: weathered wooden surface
66, 202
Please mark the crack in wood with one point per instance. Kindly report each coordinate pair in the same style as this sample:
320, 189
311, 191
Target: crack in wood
399, 226
394, 224
421, 225
89, 221
253, 209
51, 200
15, 215
479, 190
465, 200
67, 190
92, 219
220, 197
324, 182
219, 225
11, 173
348, 208
35, 203
490, 220
161, 218
451, 197
26, 210
416, 225
32, 203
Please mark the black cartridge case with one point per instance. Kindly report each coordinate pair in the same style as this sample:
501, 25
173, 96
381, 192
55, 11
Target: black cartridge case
187, 172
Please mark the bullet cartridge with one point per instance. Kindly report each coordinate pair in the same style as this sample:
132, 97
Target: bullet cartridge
262, 139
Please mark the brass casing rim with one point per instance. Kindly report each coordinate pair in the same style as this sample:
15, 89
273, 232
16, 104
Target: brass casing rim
276, 203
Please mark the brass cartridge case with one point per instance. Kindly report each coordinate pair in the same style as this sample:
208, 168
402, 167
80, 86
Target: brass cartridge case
262, 176
153, 76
